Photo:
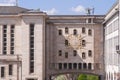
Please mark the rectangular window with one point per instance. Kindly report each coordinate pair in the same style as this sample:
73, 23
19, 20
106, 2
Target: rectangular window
4, 39
66, 54
31, 66
31, 58
2, 72
10, 69
12, 28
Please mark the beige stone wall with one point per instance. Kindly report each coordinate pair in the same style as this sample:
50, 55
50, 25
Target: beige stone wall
56, 42
22, 46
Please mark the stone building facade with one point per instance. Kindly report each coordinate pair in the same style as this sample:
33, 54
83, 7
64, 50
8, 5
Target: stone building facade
37, 46
74, 44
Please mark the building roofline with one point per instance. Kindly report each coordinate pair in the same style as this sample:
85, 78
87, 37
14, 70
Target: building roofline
113, 6
76, 15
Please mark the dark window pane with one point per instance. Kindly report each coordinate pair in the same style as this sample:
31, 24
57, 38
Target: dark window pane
74, 65
10, 69
83, 30
31, 67
4, 35
12, 26
60, 65
84, 66
74, 53
89, 20
60, 53
66, 30
4, 39
90, 32
65, 65
2, 72
4, 26
90, 53
66, 43
12, 35
66, 54
89, 66
80, 65
83, 55
60, 32
83, 43
4, 52
70, 65
12, 39
4, 44
75, 32
5, 31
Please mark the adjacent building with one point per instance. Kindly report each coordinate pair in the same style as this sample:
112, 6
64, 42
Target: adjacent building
111, 43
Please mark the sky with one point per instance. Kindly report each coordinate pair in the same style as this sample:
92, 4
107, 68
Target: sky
66, 7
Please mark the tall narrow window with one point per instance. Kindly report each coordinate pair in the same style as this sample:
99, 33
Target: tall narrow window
70, 65
60, 66
74, 53
66, 30
75, 32
65, 65
90, 53
31, 69
83, 30
60, 52
89, 32
89, 20
2, 72
10, 69
66, 54
84, 66
66, 43
83, 55
60, 32
89, 66
74, 65
83, 43
80, 65
12, 39
4, 39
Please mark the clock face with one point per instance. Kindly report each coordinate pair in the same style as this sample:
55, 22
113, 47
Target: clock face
75, 41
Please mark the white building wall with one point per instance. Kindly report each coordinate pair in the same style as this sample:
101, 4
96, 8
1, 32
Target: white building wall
111, 56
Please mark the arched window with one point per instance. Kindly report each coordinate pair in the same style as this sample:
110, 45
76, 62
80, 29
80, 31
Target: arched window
83, 43
80, 65
66, 43
89, 66
74, 65
70, 65
89, 32
74, 53
75, 32
60, 32
83, 55
83, 30
84, 66
60, 65
60, 52
65, 65
90, 53
66, 30
66, 54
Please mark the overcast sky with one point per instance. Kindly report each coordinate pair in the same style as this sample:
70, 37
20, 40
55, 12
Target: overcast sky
65, 7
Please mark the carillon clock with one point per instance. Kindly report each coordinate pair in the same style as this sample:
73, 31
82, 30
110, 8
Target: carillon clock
76, 41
